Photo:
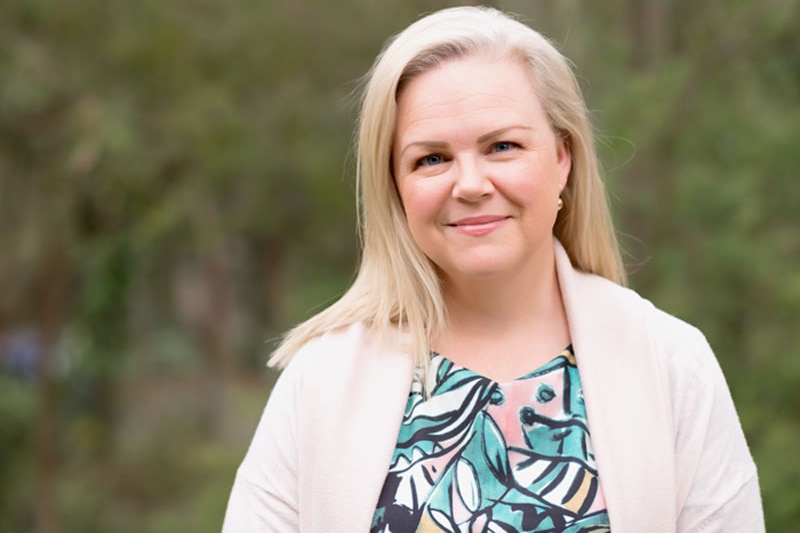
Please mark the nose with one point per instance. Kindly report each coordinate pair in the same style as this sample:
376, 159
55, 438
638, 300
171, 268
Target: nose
472, 180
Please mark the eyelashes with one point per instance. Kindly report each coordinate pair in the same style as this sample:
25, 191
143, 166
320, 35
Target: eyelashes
429, 160
434, 159
504, 146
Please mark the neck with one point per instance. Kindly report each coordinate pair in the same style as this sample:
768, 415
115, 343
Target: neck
520, 320
487, 304
505, 328
504, 299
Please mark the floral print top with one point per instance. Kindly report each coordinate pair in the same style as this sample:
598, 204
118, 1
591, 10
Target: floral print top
480, 455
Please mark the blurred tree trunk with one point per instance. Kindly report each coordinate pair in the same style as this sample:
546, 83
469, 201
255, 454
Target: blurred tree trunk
204, 297
646, 29
51, 292
274, 265
680, 16
216, 332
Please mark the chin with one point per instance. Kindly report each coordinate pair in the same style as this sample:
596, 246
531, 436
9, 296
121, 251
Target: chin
478, 271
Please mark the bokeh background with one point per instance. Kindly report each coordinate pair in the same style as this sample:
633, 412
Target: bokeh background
176, 189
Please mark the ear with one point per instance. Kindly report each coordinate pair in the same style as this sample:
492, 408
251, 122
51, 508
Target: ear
563, 160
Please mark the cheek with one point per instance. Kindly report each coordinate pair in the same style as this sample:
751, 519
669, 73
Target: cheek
526, 189
420, 203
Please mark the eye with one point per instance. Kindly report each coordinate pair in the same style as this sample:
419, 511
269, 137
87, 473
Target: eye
503, 146
429, 160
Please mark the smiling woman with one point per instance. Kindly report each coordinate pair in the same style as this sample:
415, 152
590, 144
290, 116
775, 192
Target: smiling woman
486, 371
479, 169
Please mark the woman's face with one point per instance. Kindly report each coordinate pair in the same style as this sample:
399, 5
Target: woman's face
478, 168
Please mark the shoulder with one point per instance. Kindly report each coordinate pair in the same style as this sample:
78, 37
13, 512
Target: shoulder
346, 346
344, 343
676, 348
347, 356
691, 371
621, 303
682, 346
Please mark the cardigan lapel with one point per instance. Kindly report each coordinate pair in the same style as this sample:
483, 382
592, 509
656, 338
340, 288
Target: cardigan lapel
627, 401
367, 411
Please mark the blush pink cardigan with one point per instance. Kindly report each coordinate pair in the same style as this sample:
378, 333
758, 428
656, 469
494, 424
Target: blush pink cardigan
669, 447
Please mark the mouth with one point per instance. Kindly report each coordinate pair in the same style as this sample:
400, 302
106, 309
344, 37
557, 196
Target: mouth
478, 225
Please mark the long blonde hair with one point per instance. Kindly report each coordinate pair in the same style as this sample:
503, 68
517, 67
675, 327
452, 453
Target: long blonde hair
397, 286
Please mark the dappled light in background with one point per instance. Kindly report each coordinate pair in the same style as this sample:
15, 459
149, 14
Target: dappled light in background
176, 189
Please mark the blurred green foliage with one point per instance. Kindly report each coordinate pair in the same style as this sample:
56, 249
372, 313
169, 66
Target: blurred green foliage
176, 187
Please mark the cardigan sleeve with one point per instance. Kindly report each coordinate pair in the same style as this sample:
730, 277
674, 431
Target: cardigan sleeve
264, 497
717, 483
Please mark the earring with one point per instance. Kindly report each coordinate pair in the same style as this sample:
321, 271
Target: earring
560, 203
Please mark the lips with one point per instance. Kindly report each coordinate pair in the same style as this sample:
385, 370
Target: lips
479, 225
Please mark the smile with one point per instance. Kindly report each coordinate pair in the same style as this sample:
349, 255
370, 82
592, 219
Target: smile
480, 225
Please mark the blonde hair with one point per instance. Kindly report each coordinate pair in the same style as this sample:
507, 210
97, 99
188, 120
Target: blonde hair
397, 286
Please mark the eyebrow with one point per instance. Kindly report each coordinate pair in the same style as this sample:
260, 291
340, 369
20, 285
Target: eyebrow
500, 131
438, 145
428, 145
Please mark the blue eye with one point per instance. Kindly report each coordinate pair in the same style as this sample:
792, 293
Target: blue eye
430, 160
502, 146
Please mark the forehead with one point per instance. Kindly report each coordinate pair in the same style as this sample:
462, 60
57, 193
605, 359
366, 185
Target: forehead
468, 88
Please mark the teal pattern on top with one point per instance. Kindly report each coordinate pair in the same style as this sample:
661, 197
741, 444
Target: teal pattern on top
480, 455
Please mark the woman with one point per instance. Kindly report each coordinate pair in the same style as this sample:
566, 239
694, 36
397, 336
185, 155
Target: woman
487, 371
